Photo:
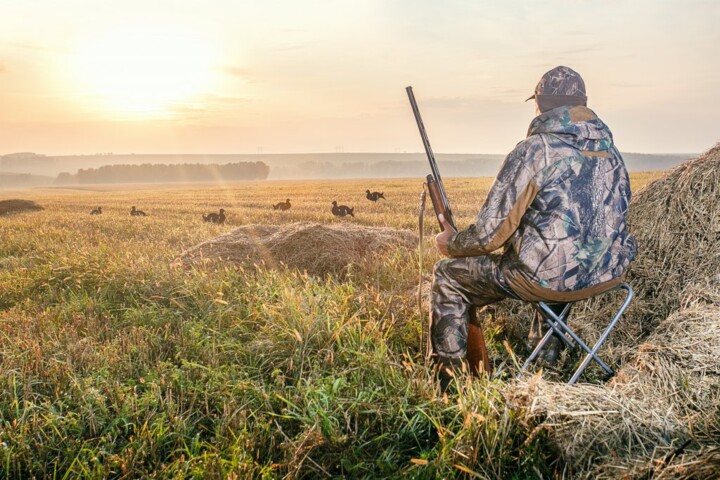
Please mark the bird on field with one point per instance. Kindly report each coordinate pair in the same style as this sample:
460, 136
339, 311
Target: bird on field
374, 196
136, 213
215, 217
96, 211
342, 210
282, 205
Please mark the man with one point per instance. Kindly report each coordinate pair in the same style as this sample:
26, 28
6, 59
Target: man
556, 209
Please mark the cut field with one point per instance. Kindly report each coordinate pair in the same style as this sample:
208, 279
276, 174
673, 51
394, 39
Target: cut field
116, 364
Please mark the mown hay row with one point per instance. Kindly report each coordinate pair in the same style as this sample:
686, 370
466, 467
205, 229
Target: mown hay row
8, 207
311, 247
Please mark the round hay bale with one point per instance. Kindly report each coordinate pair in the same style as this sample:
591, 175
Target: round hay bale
8, 207
311, 247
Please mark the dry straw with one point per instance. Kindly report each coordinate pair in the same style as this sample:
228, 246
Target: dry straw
667, 389
312, 247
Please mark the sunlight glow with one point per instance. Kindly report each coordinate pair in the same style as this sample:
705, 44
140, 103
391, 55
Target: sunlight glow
143, 72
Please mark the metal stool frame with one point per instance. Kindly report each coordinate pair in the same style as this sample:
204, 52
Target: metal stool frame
559, 326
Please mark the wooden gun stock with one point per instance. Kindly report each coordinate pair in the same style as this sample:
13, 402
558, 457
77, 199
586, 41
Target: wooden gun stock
437, 201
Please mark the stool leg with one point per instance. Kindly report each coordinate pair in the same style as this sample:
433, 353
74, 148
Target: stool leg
560, 327
536, 352
552, 318
582, 344
546, 338
592, 354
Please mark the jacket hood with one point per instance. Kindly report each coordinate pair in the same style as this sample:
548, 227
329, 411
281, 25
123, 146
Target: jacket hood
576, 126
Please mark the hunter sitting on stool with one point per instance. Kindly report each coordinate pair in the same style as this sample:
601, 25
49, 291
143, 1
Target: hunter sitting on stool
557, 209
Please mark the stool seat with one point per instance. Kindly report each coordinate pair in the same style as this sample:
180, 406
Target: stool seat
558, 326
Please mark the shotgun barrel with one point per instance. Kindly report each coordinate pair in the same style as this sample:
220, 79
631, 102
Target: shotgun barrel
434, 181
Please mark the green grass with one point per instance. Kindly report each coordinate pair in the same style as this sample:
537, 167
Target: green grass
117, 365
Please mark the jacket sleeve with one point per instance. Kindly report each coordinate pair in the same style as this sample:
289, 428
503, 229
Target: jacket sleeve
511, 194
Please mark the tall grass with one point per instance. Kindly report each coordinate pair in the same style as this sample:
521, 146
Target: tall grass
118, 365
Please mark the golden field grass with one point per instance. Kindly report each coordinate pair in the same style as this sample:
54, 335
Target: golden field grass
117, 365
251, 202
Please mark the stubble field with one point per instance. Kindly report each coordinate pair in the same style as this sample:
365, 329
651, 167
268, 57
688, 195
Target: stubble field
116, 364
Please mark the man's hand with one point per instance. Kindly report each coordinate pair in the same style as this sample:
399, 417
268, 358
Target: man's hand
444, 237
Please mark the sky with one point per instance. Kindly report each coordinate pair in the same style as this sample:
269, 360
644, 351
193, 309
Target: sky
283, 76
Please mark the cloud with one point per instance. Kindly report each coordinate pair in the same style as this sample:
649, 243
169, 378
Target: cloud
235, 71
204, 105
630, 85
34, 47
291, 47
223, 100
456, 103
445, 102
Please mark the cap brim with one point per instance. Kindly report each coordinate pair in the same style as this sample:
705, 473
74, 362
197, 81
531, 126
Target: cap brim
530, 97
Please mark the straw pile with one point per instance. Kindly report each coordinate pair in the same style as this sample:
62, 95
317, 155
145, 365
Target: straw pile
311, 247
8, 207
676, 220
667, 390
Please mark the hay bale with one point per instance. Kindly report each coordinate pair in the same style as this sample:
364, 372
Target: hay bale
668, 392
692, 466
311, 247
8, 207
676, 220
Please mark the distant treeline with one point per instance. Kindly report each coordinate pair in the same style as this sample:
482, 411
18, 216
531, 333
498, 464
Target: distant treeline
133, 168
23, 180
161, 173
453, 165
487, 166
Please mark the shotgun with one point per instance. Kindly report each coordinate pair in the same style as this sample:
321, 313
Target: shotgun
477, 356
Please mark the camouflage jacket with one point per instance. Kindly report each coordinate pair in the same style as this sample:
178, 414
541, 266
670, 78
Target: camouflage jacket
558, 208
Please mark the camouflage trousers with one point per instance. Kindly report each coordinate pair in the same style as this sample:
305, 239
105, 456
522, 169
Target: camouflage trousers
460, 284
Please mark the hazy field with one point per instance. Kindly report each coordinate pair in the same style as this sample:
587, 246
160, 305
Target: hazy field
115, 364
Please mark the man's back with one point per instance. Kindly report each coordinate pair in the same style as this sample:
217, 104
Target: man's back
573, 234
558, 207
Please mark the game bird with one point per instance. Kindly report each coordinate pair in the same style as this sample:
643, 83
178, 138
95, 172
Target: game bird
374, 196
282, 205
136, 213
215, 217
342, 210
96, 211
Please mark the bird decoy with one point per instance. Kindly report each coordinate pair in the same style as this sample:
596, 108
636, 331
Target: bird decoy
282, 205
136, 213
215, 217
342, 210
96, 211
374, 196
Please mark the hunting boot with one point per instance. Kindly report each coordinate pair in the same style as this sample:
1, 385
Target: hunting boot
538, 329
447, 369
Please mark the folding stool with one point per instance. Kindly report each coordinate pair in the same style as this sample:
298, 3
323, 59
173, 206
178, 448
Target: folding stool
558, 325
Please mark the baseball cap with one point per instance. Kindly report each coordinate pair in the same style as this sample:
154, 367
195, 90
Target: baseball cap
560, 86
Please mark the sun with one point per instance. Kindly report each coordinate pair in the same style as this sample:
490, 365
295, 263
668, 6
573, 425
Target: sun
145, 72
